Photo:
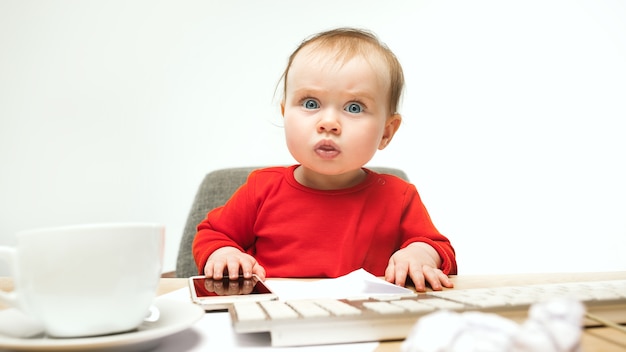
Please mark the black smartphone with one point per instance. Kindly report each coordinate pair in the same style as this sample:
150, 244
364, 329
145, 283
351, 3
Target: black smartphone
220, 294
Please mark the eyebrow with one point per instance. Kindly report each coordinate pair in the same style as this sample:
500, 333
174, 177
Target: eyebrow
355, 94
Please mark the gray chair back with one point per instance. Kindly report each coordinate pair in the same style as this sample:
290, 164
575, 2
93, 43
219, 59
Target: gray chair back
216, 188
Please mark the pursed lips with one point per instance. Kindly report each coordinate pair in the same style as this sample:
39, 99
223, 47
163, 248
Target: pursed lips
327, 149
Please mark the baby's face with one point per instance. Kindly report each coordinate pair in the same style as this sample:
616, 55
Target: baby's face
335, 113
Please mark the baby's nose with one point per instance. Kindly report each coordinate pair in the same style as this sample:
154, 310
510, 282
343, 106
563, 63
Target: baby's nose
329, 122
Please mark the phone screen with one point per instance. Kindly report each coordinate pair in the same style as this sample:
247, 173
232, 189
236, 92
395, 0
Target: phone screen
207, 287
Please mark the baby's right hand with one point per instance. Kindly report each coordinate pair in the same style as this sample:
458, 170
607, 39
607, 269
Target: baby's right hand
232, 262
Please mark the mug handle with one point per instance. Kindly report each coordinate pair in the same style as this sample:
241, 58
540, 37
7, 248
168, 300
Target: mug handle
8, 254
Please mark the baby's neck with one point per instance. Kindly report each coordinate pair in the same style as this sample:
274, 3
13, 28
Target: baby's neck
315, 180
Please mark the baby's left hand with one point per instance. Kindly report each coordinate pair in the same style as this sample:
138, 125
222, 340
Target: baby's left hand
420, 262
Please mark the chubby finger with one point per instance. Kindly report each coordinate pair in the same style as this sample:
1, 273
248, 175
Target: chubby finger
418, 280
445, 281
396, 272
217, 271
259, 271
432, 277
246, 268
401, 272
390, 272
208, 269
233, 265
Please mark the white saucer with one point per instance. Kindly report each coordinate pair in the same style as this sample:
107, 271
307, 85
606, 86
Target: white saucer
175, 316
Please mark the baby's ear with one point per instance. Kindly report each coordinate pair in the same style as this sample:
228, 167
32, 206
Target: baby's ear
391, 127
282, 108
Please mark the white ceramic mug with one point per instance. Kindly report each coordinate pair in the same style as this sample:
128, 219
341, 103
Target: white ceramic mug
86, 280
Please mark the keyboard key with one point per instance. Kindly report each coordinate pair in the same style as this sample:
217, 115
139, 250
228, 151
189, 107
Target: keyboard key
308, 308
383, 307
249, 311
386, 297
338, 308
443, 304
279, 310
413, 306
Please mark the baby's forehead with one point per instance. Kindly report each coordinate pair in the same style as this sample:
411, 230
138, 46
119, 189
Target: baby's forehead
336, 52
334, 57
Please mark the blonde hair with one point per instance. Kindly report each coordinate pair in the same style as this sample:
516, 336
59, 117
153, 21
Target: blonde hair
351, 42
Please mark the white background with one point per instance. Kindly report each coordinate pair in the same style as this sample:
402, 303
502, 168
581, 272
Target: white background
113, 111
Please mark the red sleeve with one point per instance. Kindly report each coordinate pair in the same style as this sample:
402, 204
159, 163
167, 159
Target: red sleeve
418, 227
229, 225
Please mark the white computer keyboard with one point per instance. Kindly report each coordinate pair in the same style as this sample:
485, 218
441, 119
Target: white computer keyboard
326, 321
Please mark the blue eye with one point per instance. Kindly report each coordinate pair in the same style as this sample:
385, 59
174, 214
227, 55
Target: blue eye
310, 104
354, 108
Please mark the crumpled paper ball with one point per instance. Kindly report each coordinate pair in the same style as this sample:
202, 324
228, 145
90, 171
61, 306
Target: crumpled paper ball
552, 326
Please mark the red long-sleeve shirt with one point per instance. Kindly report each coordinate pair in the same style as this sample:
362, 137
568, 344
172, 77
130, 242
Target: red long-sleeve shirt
296, 231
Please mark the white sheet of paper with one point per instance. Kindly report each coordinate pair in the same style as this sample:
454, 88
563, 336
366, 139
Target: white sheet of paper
358, 283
